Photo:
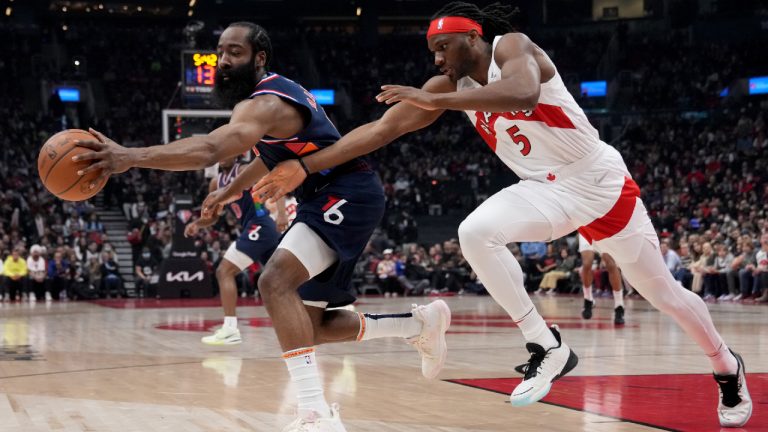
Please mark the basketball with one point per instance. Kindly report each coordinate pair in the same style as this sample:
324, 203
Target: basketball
59, 173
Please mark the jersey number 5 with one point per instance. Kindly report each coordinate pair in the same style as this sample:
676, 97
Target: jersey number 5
520, 140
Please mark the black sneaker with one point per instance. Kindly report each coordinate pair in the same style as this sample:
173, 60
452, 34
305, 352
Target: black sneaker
586, 313
618, 315
735, 406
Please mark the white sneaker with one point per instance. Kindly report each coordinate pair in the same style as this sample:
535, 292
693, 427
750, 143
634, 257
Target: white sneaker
315, 423
544, 367
735, 406
435, 318
223, 336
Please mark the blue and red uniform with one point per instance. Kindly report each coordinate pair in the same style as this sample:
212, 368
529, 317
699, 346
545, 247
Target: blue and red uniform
343, 205
259, 237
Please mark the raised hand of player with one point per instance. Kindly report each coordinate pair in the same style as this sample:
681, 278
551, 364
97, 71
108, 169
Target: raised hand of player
214, 203
396, 93
191, 229
282, 179
107, 156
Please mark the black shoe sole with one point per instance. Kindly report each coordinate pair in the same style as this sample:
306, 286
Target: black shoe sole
573, 360
586, 314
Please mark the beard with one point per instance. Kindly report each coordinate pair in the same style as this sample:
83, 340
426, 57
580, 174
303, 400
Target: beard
239, 84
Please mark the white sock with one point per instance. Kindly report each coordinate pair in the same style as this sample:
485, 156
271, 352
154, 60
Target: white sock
304, 374
618, 298
374, 326
587, 293
535, 330
723, 362
230, 322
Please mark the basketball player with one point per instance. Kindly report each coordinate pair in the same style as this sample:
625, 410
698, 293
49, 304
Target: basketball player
338, 211
515, 98
587, 252
257, 242
284, 218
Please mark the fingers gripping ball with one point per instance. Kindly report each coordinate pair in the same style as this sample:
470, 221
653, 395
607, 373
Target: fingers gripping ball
59, 173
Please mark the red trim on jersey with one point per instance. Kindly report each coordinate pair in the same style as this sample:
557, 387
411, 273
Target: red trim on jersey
275, 92
332, 200
453, 24
270, 78
272, 141
617, 217
550, 115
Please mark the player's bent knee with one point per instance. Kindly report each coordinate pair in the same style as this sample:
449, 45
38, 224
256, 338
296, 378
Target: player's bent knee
271, 283
282, 274
226, 270
473, 234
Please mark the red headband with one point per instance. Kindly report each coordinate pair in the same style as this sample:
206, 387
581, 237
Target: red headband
453, 24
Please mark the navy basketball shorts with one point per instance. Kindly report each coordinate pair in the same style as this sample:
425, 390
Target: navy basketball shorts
344, 215
256, 243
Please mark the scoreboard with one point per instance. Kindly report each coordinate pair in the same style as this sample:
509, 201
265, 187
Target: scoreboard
198, 69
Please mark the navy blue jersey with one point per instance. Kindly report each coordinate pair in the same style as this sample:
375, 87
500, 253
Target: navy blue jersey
247, 207
318, 133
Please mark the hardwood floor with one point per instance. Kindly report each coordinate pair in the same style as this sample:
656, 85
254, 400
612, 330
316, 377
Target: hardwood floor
139, 366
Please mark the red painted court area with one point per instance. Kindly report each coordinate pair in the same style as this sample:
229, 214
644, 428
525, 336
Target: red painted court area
671, 402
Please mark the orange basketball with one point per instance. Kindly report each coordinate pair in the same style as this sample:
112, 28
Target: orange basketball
59, 173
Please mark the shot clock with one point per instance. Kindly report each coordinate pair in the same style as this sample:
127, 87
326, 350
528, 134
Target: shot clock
197, 71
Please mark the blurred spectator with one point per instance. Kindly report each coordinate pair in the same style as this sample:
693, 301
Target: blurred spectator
37, 272
146, 270
563, 269
715, 281
59, 274
742, 270
111, 281
385, 270
761, 271
15, 269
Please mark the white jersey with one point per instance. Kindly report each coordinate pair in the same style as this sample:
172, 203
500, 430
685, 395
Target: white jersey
535, 144
291, 205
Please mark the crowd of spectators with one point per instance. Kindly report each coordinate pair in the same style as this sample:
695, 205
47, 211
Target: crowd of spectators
702, 179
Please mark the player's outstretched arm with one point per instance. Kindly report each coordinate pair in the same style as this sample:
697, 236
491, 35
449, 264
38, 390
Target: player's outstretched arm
282, 216
251, 120
215, 200
517, 90
205, 221
396, 122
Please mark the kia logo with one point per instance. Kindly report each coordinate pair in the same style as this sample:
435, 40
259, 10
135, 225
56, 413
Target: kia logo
184, 276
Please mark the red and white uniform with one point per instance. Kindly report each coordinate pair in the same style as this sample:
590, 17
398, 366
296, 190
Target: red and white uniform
569, 174
571, 180
290, 209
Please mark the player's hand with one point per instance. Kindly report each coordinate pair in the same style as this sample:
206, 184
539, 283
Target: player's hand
107, 156
281, 222
214, 203
284, 178
191, 229
395, 93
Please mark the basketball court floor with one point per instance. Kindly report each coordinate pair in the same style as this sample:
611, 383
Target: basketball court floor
138, 365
